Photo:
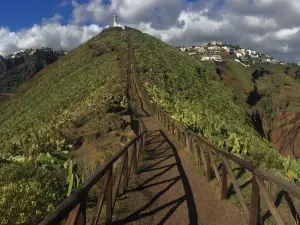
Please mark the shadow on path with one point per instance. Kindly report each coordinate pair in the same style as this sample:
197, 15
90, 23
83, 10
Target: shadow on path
165, 184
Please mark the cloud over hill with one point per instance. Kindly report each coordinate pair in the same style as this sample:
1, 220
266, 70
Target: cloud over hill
249, 23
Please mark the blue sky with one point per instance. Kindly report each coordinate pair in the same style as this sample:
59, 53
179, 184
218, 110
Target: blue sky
254, 24
20, 14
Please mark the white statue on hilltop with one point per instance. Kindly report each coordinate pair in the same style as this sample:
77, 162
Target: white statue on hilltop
115, 22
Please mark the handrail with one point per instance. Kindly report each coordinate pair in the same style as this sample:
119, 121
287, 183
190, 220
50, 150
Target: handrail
205, 155
73, 207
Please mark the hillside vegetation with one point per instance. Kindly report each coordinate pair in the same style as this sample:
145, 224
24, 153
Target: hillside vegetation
197, 98
21, 66
68, 119
70, 110
270, 95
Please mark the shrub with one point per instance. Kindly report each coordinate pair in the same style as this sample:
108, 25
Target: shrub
28, 193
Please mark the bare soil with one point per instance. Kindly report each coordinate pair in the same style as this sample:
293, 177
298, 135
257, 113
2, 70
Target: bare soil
168, 189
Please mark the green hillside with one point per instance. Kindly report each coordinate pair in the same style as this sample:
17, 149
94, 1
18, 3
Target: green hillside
194, 95
67, 120
71, 108
21, 66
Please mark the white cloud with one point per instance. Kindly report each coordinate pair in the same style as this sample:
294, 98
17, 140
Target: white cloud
252, 24
286, 34
49, 34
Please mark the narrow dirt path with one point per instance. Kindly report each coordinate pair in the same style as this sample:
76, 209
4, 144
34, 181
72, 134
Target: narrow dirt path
168, 189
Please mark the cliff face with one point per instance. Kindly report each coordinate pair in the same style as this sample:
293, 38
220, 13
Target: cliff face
17, 68
285, 135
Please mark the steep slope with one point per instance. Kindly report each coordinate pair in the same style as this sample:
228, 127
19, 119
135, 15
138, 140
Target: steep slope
71, 109
199, 99
17, 68
270, 95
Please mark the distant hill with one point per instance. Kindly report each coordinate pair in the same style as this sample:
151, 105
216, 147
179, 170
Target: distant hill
22, 65
269, 94
193, 93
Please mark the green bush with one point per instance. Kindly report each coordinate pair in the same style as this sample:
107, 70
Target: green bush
28, 192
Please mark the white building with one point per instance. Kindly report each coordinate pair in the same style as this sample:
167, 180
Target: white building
238, 55
217, 58
226, 48
212, 48
206, 58
115, 22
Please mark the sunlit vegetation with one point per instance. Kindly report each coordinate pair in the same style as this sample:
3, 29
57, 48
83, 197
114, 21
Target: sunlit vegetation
40, 126
199, 100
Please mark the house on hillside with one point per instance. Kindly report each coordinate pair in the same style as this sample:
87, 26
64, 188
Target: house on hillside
183, 49
243, 51
206, 58
216, 58
200, 49
266, 60
226, 49
212, 48
232, 51
274, 61
238, 55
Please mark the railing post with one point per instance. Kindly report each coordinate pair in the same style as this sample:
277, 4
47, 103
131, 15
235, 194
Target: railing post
126, 172
268, 200
254, 208
173, 128
134, 159
197, 149
108, 197
167, 123
178, 133
187, 142
224, 188
183, 140
193, 147
208, 165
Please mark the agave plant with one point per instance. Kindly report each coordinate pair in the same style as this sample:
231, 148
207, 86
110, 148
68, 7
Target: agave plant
292, 168
73, 179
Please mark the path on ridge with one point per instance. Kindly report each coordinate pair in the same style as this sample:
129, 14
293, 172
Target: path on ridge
167, 188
